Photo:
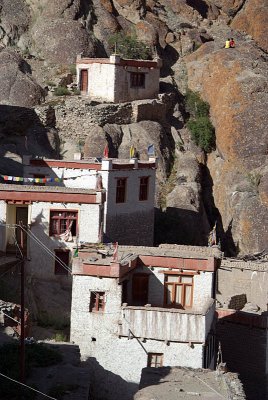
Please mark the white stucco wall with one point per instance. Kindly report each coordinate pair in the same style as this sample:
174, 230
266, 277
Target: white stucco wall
3, 231
202, 287
101, 81
42, 265
121, 357
123, 90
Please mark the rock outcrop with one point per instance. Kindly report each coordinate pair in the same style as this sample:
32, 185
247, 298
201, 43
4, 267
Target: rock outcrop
17, 85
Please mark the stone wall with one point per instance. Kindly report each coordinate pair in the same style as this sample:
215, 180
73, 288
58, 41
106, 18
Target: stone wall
243, 278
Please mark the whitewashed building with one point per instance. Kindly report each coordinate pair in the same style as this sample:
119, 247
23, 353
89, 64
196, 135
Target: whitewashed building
67, 204
118, 80
128, 213
134, 307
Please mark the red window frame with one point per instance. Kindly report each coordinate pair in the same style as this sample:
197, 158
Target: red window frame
178, 285
155, 360
64, 256
121, 190
97, 301
144, 188
137, 79
60, 221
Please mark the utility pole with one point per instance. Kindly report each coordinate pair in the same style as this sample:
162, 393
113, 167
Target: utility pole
22, 309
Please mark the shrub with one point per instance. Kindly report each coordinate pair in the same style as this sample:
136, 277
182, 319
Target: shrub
199, 124
73, 69
61, 91
128, 46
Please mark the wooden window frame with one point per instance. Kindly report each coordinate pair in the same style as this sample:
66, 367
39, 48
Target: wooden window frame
144, 188
156, 364
58, 268
137, 80
61, 218
96, 303
173, 304
121, 191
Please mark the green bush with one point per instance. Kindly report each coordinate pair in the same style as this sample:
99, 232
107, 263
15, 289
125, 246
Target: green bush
128, 46
199, 124
61, 91
73, 69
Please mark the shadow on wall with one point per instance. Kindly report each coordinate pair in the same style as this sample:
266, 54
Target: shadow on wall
22, 132
106, 385
179, 226
245, 351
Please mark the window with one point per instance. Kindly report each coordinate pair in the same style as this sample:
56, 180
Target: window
62, 221
155, 360
121, 186
137, 79
97, 301
144, 185
63, 255
178, 291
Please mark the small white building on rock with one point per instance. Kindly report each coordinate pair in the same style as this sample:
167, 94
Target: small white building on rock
134, 307
118, 80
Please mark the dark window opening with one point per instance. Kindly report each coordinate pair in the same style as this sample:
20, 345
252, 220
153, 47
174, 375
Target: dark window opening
121, 186
63, 221
140, 289
63, 255
155, 360
137, 79
97, 301
144, 186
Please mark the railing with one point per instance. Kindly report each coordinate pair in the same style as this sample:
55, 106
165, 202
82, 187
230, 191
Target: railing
167, 324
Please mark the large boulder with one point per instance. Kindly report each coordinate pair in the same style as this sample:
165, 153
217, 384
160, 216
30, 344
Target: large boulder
234, 83
252, 19
60, 40
17, 85
14, 20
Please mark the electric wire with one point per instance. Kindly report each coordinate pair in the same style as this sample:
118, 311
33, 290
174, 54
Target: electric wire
28, 387
33, 237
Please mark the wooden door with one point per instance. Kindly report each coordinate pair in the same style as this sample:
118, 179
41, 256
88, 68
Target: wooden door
22, 217
84, 80
140, 283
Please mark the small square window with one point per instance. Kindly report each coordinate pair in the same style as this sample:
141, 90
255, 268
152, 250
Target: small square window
62, 261
144, 186
121, 187
137, 79
155, 360
97, 301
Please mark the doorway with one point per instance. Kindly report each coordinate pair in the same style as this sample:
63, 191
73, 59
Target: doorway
22, 218
84, 80
140, 284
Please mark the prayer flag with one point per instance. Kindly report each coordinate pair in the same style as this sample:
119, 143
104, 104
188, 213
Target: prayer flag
106, 151
132, 151
115, 254
150, 150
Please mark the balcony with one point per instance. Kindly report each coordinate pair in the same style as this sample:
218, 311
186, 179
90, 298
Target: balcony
167, 324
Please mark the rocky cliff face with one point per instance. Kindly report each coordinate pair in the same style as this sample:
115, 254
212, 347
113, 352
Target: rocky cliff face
230, 185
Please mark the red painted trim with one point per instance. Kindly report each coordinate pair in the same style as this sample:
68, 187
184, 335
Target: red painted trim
65, 164
146, 165
48, 197
122, 63
181, 263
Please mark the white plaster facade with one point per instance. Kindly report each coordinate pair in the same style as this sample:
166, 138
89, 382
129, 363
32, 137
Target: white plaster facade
117, 340
128, 222
117, 80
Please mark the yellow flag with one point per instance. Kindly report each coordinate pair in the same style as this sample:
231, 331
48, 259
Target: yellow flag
132, 151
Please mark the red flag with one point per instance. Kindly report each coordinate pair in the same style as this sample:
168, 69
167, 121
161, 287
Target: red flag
106, 151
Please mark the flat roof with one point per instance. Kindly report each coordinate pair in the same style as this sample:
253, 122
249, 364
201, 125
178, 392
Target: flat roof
44, 189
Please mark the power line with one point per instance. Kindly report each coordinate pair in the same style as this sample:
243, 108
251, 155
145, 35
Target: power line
28, 387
